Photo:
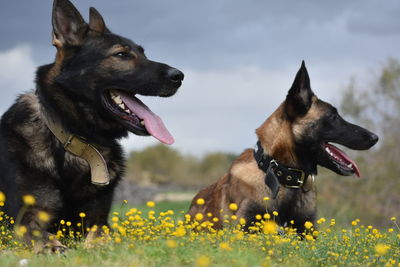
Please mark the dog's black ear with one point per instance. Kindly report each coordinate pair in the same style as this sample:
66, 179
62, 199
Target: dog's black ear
69, 28
299, 98
96, 21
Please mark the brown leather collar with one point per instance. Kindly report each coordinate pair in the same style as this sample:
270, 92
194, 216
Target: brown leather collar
80, 148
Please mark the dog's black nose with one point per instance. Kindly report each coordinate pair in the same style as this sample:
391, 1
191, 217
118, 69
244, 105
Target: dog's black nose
175, 75
374, 138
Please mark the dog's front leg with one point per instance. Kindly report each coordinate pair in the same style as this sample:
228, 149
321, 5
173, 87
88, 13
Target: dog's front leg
32, 230
94, 236
96, 212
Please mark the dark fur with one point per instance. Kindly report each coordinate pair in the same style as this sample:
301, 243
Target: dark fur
294, 135
89, 61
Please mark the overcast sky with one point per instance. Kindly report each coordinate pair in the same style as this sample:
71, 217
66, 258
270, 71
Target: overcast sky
239, 57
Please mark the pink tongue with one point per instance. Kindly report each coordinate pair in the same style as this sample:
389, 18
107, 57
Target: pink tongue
154, 125
339, 154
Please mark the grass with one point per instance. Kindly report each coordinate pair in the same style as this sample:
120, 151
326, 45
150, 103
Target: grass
176, 206
158, 236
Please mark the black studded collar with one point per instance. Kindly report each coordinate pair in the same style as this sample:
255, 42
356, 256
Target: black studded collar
277, 173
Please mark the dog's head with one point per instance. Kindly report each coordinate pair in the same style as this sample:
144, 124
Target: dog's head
314, 125
103, 70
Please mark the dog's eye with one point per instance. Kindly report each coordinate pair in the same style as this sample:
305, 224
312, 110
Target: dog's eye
124, 55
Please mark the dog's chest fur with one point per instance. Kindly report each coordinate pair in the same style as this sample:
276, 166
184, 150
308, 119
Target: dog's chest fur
38, 149
247, 185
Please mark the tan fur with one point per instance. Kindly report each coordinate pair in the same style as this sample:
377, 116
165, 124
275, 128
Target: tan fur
114, 63
313, 114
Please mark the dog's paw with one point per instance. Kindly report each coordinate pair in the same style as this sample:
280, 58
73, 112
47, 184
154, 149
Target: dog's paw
52, 246
93, 239
59, 249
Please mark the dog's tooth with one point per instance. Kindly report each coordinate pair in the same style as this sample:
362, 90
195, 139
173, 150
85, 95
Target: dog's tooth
350, 165
142, 122
117, 100
121, 105
128, 111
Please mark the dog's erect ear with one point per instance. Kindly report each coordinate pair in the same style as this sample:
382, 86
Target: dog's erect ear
300, 95
69, 28
96, 21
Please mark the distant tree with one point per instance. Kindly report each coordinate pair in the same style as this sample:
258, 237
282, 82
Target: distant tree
376, 196
155, 164
161, 164
214, 165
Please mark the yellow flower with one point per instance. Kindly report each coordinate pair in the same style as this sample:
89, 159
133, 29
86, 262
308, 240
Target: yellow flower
82, 215
393, 219
199, 217
200, 201
270, 227
309, 237
381, 249
68, 223
29, 200
20, 230
117, 240
267, 216
180, 231
43, 216
2, 197
258, 217
225, 246
151, 204
233, 206
266, 198
171, 243
308, 224
242, 221
203, 261
275, 213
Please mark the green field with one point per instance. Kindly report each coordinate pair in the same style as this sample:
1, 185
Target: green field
158, 237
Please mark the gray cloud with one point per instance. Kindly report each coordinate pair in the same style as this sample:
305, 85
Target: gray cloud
239, 56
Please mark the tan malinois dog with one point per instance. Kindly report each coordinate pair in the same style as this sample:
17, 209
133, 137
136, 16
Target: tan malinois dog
296, 138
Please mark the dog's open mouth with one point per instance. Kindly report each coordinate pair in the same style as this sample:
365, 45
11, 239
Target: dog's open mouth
341, 159
138, 117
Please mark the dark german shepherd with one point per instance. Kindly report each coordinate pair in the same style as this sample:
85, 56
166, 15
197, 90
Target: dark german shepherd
291, 143
55, 139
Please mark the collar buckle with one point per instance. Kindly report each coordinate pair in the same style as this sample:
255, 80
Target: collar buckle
300, 180
68, 142
273, 164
